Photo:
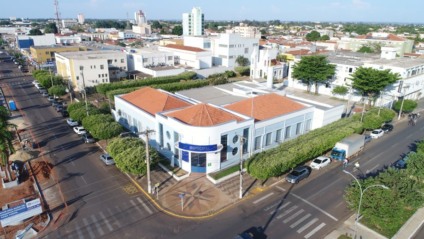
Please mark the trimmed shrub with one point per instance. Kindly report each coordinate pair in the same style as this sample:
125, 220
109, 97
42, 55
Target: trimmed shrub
243, 70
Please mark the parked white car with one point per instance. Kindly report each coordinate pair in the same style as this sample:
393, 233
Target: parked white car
320, 162
79, 130
71, 122
377, 133
107, 159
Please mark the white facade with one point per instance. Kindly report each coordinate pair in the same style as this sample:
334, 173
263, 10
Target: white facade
142, 29
154, 63
81, 18
193, 23
139, 18
189, 56
91, 67
68, 39
246, 31
264, 65
69, 23
198, 41
128, 35
227, 47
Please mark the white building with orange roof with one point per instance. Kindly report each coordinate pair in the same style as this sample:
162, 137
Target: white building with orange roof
205, 137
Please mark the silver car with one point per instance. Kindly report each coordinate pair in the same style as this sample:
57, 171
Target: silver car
298, 174
107, 159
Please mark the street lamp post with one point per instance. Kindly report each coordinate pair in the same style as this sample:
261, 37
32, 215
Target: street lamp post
360, 197
146, 133
403, 99
85, 91
241, 166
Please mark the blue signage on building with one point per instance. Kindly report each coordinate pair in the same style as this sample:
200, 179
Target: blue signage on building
198, 148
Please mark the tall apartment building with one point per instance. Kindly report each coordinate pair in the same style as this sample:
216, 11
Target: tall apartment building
193, 22
141, 26
139, 17
81, 18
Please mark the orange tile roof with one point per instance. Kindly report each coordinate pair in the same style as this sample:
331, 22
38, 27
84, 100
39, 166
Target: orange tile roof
395, 38
185, 48
203, 115
265, 107
153, 101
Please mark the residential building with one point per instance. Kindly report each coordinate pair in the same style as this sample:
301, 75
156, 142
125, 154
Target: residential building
402, 45
152, 62
193, 22
91, 68
66, 23
81, 18
141, 26
264, 65
188, 56
246, 31
139, 17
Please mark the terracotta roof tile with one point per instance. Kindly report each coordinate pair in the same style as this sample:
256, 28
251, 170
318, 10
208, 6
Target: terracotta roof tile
265, 107
185, 48
203, 115
153, 101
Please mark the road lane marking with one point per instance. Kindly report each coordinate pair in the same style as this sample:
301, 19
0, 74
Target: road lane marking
263, 198
293, 216
78, 229
282, 189
115, 221
106, 221
145, 206
90, 231
280, 208
300, 220
135, 206
372, 169
307, 225
84, 180
378, 155
317, 208
271, 206
315, 230
287, 212
96, 223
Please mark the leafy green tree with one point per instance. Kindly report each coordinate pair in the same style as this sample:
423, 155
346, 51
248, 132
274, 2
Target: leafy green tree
243, 70
282, 58
156, 25
35, 32
106, 130
313, 36
324, 38
370, 82
408, 105
6, 142
366, 49
74, 106
51, 28
177, 30
242, 61
313, 70
340, 90
57, 90
80, 113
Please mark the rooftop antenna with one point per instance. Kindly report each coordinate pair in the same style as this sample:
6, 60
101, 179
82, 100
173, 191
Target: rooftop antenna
57, 14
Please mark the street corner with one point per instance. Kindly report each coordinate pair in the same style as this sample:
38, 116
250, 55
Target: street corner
195, 199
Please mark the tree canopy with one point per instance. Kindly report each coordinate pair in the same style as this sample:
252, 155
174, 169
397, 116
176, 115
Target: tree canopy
35, 32
313, 36
313, 70
177, 30
242, 61
370, 82
51, 28
340, 90
408, 105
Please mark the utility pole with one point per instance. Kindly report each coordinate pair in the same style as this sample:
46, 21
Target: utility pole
241, 166
146, 133
85, 91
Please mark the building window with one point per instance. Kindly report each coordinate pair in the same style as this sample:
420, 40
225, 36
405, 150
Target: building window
268, 139
161, 135
298, 128
169, 58
278, 135
257, 142
99, 75
287, 133
101, 67
246, 50
235, 139
245, 140
109, 62
77, 77
235, 150
168, 135
122, 61
308, 125
224, 147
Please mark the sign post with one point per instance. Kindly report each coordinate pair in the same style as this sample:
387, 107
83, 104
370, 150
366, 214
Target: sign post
157, 190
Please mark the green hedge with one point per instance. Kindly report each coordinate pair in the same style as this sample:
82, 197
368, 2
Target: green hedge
104, 88
274, 162
173, 87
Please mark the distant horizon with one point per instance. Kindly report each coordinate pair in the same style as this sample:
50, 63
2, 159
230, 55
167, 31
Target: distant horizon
354, 11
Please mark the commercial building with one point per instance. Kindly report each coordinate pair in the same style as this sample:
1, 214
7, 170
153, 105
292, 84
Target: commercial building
193, 22
246, 31
43, 54
141, 27
187, 56
66, 23
91, 68
206, 130
81, 18
25, 41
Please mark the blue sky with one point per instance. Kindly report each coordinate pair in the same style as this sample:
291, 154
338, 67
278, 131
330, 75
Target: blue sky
285, 10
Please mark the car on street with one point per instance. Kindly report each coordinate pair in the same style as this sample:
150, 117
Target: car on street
107, 159
45, 94
59, 108
34, 82
387, 128
377, 133
87, 138
71, 122
64, 113
252, 233
368, 138
401, 163
297, 174
79, 130
320, 162
50, 98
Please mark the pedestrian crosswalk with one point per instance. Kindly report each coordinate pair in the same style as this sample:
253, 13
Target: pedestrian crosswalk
296, 218
102, 223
